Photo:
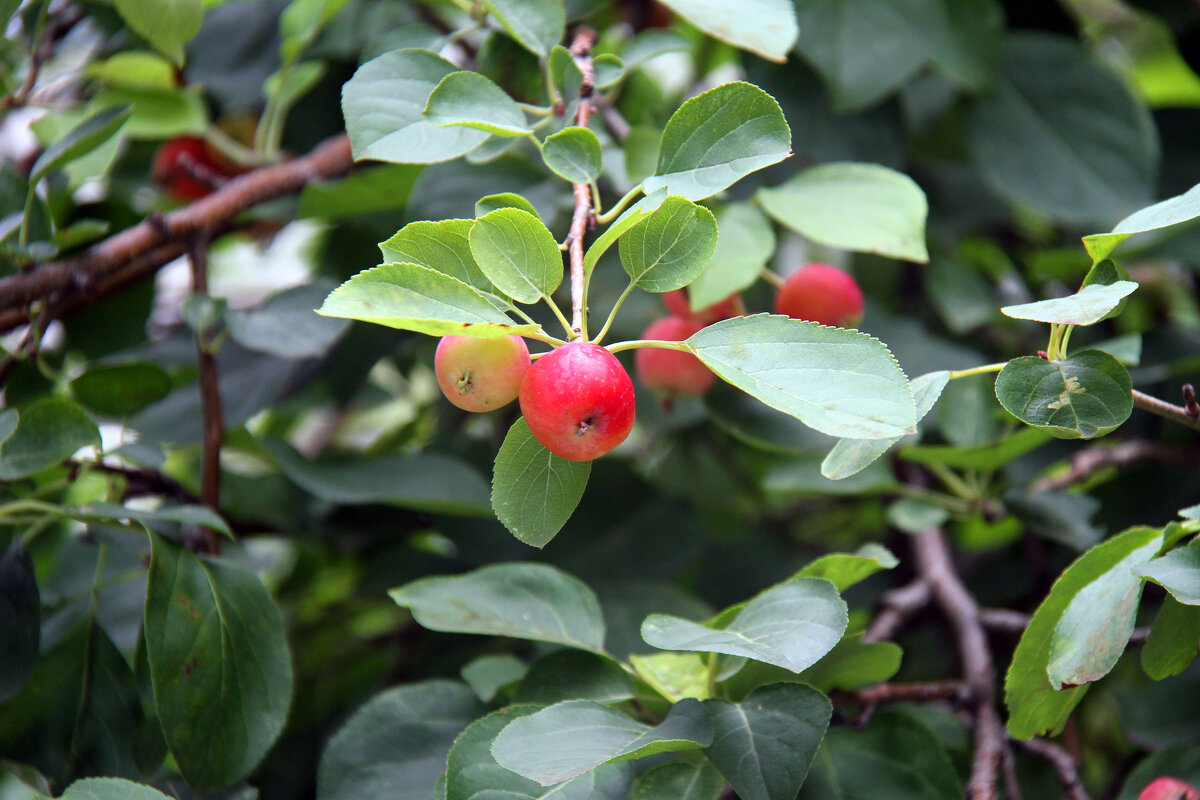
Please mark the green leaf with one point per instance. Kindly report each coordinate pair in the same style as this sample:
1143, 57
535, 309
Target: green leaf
433, 482
473, 774
373, 188
1080, 397
1033, 136
286, 324
851, 456
182, 515
1171, 646
764, 27
1088, 306
866, 50
166, 24
503, 200
573, 154
1034, 705
470, 100
384, 106
574, 675
609, 70
854, 664
865, 208
537, 25
1172, 211
20, 618
416, 298
520, 600
790, 625
568, 739
990, 456
632, 216
442, 246
1095, 627
156, 113
765, 744
396, 744
535, 492
673, 675
81, 140
844, 570
48, 431
139, 69
110, 789
679, 781
493, 673
517, 253
1178, 572
717, 138
219, 663
745, 244
837, 381
117, 390
671, 247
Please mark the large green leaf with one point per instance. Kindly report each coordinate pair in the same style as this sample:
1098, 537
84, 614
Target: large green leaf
764, 27
1178, 572
745, 244
837, 381
535, 492
117, 390
568, 739
1080, 397
844, 570
866, 208
790, 625
1034, 138
396, 744
1171, 646
472, 101
48, 431
166, 24
854, 664
1088, 306
679, 780
537, 24
219, 663
79, 141
416, 298
441, 246
574, 675
110, 789
517, 253
573, 154
764, 744
20, 618
473, 774
286, 325
1034, 705
427, 481
180, 515
866, 50
384, 107
671, 247
718, 137
1172, 211
1095, 627
524, 601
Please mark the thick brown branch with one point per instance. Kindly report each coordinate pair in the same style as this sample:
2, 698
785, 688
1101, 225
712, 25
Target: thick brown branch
1063, 763
581, 49
1166, 410
150, 242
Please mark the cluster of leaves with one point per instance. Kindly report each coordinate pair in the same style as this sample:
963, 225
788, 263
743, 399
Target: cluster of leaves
126, 654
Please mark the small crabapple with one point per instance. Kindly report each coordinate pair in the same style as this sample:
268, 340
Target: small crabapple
677, 303
480, 374
1168, 789
672, 373
821, 293
578, 401
189, 168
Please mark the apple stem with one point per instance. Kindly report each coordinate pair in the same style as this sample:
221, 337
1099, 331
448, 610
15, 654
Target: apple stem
613, 314
581, 49
966, 373
772, 278
636, 343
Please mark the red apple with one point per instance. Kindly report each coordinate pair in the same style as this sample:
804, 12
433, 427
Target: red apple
672, 373
1169, 789
821, 293
480, 374
189, 168
678, 304
578, 401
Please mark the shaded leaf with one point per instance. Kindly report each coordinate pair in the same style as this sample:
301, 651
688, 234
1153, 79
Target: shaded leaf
442, 245
574, 675
1178, 572
1174, 638
679, 781
182, 515
20, 619
764, 27
489, 674
110, 789
1080, 397
989, 456
166, 24
535, 492
81, 140
48, 431
503, 200
636, 213
844, 570
287, 325
854, 664
671, 247
745, 244
470, 100
573, 154
117, 390
537, 24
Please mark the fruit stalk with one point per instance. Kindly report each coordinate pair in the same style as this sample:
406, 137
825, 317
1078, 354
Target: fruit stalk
581, 49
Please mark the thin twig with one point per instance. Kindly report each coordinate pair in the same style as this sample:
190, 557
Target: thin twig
210, 394
1064, 766
59, 26
954, 691
1086, 463
581, 49
153, 243
614, 120
896, 607
1008, 765
1165, 410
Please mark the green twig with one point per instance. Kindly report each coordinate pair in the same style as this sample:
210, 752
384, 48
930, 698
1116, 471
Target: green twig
986, 368
633, 344
615, 211
613, 314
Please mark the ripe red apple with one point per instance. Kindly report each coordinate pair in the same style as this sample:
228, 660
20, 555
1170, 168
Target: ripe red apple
821, 293
678, 304
480, 374
1168, 789
189, 168
578, 401
672, 373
